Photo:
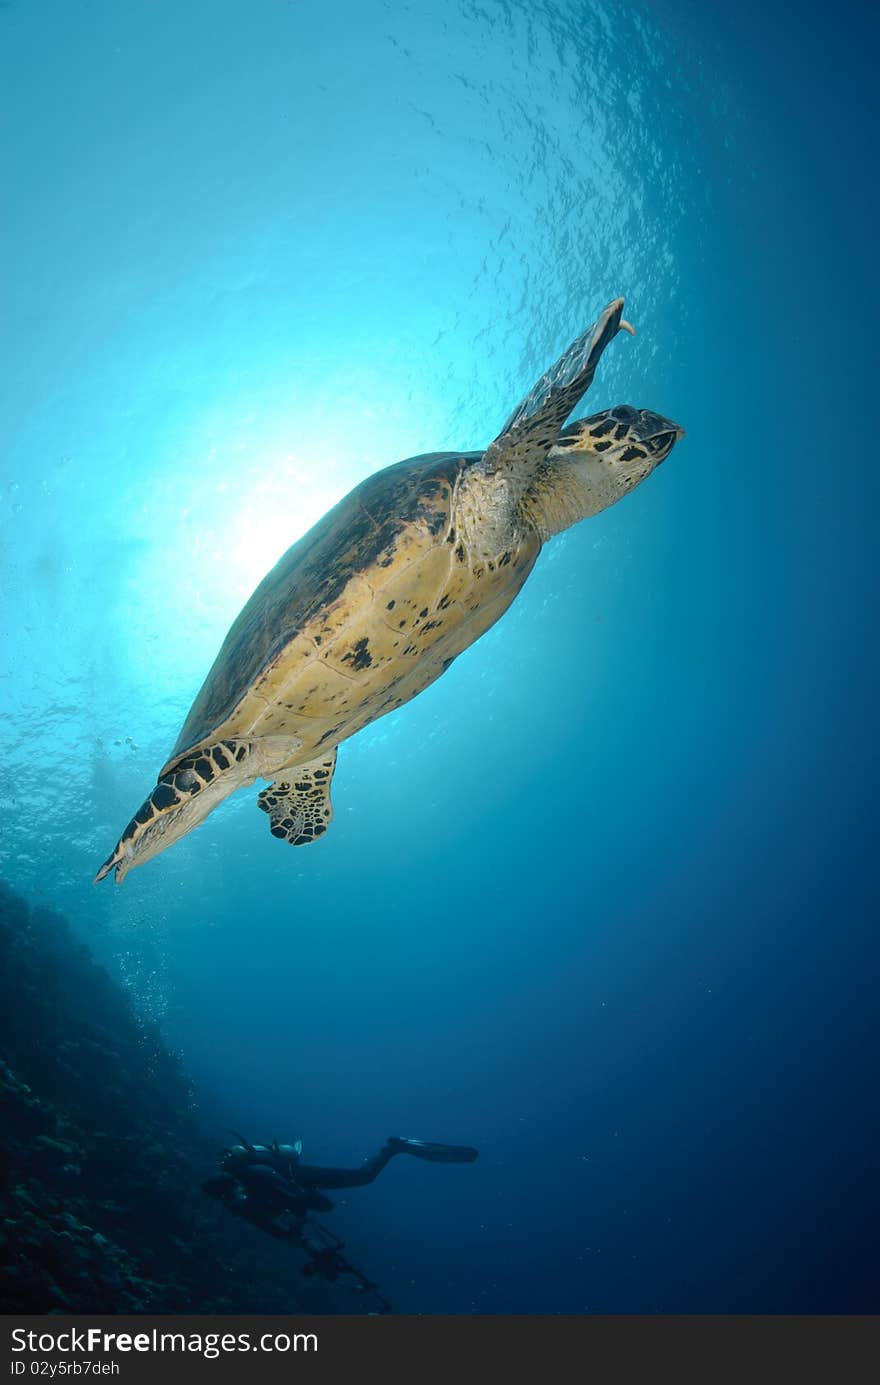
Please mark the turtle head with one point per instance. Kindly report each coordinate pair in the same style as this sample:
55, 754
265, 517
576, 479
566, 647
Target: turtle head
624, 442
596, 461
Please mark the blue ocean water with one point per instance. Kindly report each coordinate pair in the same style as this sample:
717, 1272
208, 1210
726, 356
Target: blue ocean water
602, 900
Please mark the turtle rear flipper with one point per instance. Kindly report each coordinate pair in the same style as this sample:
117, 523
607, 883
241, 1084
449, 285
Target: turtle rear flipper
299, 805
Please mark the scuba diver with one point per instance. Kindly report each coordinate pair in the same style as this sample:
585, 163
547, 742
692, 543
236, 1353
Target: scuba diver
270, 1187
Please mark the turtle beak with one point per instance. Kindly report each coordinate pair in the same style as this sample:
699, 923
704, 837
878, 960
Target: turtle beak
651, 425
658, 434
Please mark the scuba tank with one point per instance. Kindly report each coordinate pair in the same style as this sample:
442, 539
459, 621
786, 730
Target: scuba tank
282, 1158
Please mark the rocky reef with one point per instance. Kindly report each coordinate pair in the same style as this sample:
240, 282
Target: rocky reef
101, 1156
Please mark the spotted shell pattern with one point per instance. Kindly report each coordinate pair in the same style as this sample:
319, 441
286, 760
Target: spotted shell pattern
359, 616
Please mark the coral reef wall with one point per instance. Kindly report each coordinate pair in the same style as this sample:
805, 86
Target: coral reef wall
101, 1153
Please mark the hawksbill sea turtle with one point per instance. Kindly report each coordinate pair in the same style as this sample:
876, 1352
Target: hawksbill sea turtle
377, 599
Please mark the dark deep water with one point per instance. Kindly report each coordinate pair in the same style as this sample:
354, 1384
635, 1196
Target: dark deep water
602, 901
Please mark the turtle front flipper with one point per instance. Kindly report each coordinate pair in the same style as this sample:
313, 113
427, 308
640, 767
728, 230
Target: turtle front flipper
184, 795
535, 422
299, 805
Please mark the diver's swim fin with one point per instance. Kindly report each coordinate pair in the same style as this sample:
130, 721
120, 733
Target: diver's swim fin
434, 1153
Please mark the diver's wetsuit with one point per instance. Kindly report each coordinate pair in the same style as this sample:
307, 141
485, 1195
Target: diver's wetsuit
262, 1197
256, 1163
315, 1176
269, 1187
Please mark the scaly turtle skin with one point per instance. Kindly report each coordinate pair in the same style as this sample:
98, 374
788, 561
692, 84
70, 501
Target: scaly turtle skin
376, 601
